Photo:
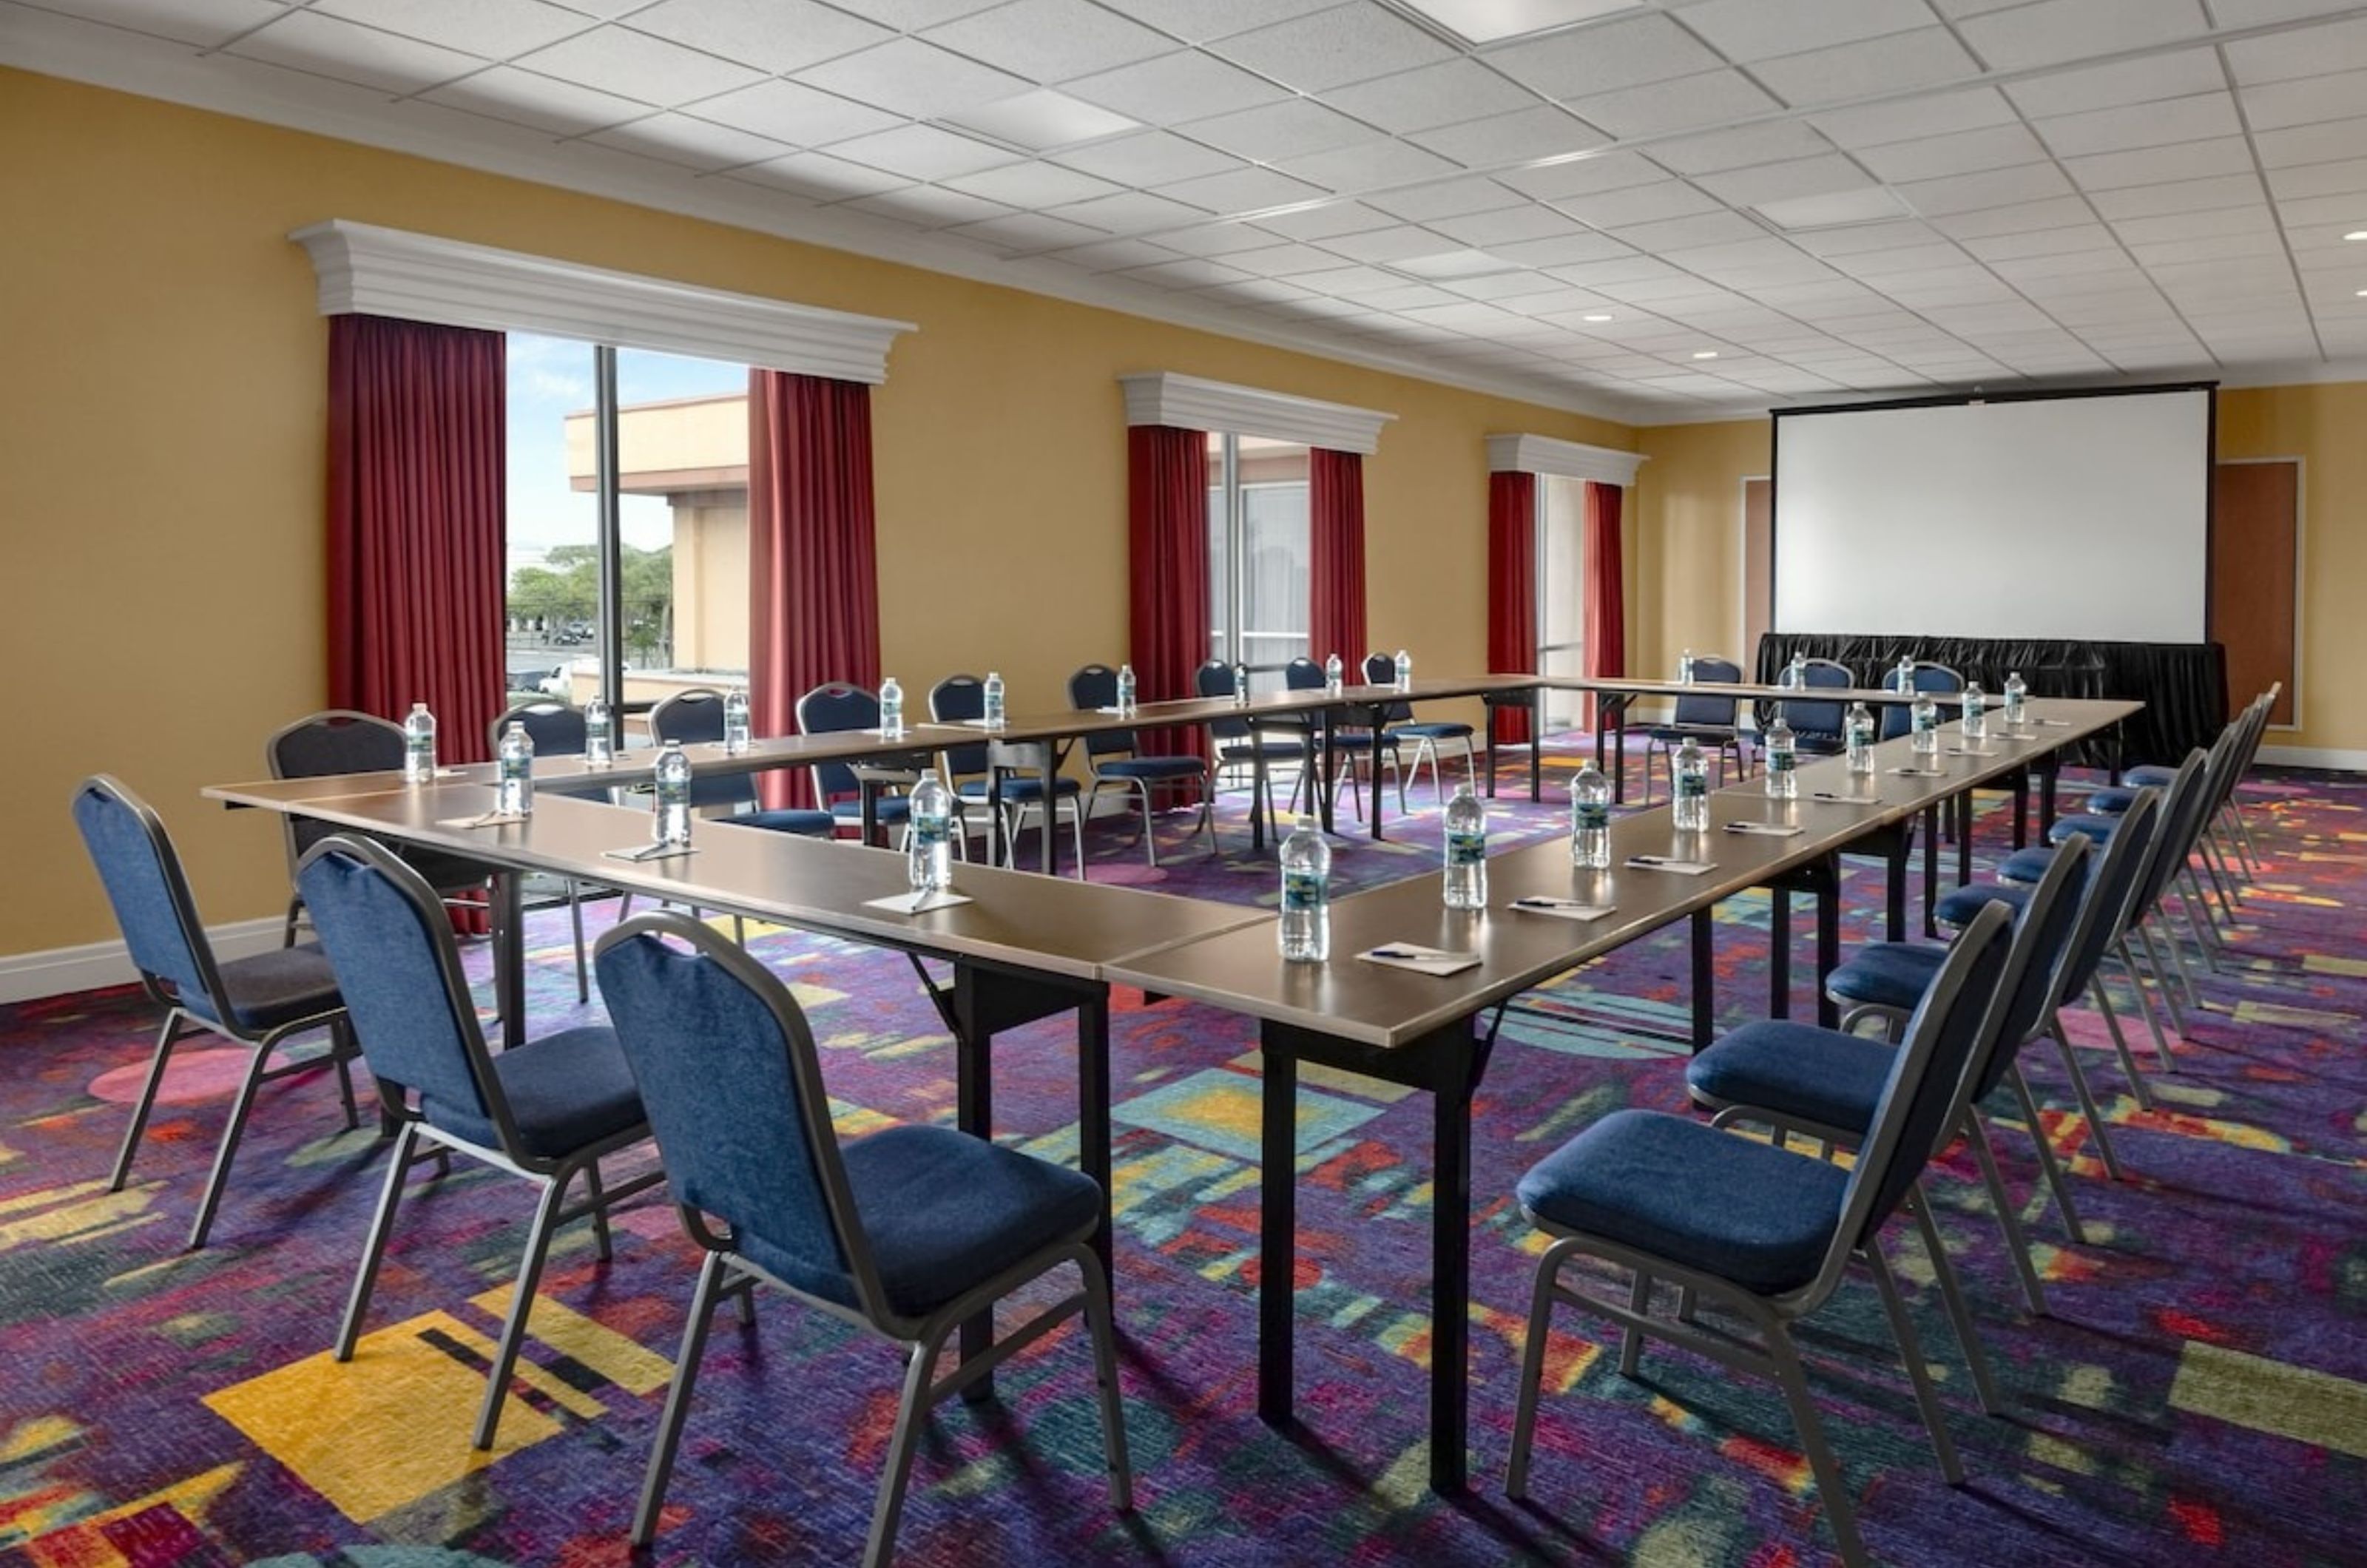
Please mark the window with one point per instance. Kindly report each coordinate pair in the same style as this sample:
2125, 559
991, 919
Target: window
1561, 595
1257, 544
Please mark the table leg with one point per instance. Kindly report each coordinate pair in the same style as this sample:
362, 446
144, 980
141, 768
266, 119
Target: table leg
1895, 901
1379, 716
506, 917
974, 1114
867, 792
1319, 769
1829, 939
2049, 773
1048, 813
1705, 979
1277, 1233
1094, 1133
1257, 791
1779, 952
1536, 743
1450, 1281
1488, 711
1931, 869
1619, 751
2021, 808
1963, 805
998, 834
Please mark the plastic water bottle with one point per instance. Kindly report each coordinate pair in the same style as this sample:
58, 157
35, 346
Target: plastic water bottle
930, 854
1125, 701
1859, 729
599, 734
418, 745
994, 715
671, 822
737, 728
1589, 819
2017, 701
1466, 851
1976, 712
1903, 678
1795, 674
891, 708
1405, 670
1685, 668
1334, 673
1692, 811
514, 786
1306, 926
1690, 784
1782, 761
1926, 721
1240, 685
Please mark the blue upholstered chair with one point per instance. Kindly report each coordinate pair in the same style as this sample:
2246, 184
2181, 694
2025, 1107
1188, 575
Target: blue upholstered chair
1702, 718
548, 1111
1238, 743
1825, 1082
1430, 736
1759, 1232
1937, 679
1303, 674
833, 708
694, 717
2229, 860
1116, 759
1817, 727
557, 730
262, 1002
906, 1232
959, 699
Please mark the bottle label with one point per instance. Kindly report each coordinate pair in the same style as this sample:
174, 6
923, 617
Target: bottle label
929, 832
1589, 818
1304, 890
1692, 784
1927, 718
1780, 761
1466, 849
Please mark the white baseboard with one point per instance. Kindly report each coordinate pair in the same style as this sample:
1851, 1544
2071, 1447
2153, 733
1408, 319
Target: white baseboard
58, 971
2315, 757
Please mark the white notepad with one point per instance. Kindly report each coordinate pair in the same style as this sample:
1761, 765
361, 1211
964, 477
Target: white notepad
919, 903
482, 819
1764, 830
1565, 908
1673, 866
1420, 959
650, 852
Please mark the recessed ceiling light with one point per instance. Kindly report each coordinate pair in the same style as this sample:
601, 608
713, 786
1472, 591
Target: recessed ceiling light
2356, 234
1598, 316
1705, 353
1042, 119
1492, 21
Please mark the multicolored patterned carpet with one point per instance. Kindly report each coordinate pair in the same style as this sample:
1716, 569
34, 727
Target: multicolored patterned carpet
2200, 1395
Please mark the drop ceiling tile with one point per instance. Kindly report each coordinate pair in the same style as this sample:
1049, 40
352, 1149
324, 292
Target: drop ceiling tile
692, 143
1866, 237
1513, 290
2254, 220
2304, 51
1332, 219
1567, 250
1751, 264
2335, 178
1050, 40
1196, 21
1993, 188
818, 176
1915, 118
1880, 265
1777, 142
1543, 131
2054, 31
1242, 190
909, 77
2321, 143
1283, 260
2143, 80
1923, 58
523, 98
1429, 97
1619, 269
2253, 13
207, 26
1034, 186
909, 16
633, 65
1467, 316
1673, 233
1273, 132
1042, 119
1583, 175
2020, 218
1638, 204
1964, 153
1446, 199
1175, 88
1411, 297
1687, 104
1193, 273
1129, 211
800, 115
2184, 196
1586, 61
1354, 42
2157, 165
934, 207
1508, 225
1368, 165
771, 35
347, 51
1258, 291
2280, 105
1350, 282
2071, 263
1217, 239
496, 30
1783, 182
1760, 29
2000, 248
2309, 209
1029, 231
1149, 158
924, 153
2196, 118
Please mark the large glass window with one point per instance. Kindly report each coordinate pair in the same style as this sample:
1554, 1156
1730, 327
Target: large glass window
1258, 567
556, 630
1561, 595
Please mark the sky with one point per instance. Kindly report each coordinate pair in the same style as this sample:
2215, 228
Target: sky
549, 379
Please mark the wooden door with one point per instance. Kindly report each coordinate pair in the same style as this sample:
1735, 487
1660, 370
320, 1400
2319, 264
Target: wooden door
2255, 561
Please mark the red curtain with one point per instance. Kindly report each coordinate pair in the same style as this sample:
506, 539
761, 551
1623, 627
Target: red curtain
416, 462
1513, 588
1167, 541
1606, 583
813, 570
1335, 513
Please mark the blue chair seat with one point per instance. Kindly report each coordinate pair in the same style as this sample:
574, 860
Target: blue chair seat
888, 810
2160, 775
268, 989
1425, 730
2113, 799
1697, 1196
1887, 974
1150, 768
1961, 905
2025, 865
788, 819
566, 1091
1797, 1070
1678, 734
944, 1212
1247, 751
2089, 824
1022, 788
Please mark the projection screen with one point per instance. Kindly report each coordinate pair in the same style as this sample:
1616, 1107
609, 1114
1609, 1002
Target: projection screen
2081, 517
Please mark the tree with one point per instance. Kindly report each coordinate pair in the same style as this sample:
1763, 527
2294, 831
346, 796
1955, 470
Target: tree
566, 587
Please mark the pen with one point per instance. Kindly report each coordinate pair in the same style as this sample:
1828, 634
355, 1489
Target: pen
1401, 952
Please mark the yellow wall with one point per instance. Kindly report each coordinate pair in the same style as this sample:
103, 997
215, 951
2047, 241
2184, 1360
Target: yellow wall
1688, 578
162, 466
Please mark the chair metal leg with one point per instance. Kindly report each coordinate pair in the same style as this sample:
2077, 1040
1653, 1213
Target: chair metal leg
1831, 1485
1631, 1342
2244, 831
2017, 1240
2088, 1107
911, 1410
582, 964
2215, 844
1960, 1316
2144, 1005
537, 1247
1150, 836
2218, 882
1910, 1352
398, 1167
2190, 893
166, 1037
1105, 1337
2104, 1000
240, 1107
2185, 972
2159, 975
1533, 1375
677, 1403
2200, 926
599, 1201
2047, 1166
342, 1050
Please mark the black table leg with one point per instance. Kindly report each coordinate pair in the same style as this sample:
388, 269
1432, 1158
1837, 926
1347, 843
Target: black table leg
1705, 979
1319, 770
1277, 1233
866, 793
1931, 870
2049, 772
1536, 743
997, 833
1048, 813
974, 1114
1895, 877
1094, 1133
1379, 716
1450, 1281
505, 922
1779, 952
1964, 838
2021, 808
1619, 751
1829, 938
1258, 786
1488, 712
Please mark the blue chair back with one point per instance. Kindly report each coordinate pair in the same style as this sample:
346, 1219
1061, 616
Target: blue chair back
694, 717
1215, 679
2111, 888
151, 897
831, 710
336, 740
1381, 670
1303, 674
1096, 686
391, 942
556, 728
730, 1079
2041, 942
1705, 711
1896, 717
2184, 810
1821, 720
952, 700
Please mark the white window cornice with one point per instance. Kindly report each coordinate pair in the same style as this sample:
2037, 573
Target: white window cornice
372, 271
1563, 459
1190, 403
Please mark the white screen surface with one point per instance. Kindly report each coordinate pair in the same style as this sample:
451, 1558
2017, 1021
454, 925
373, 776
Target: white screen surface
2083, 518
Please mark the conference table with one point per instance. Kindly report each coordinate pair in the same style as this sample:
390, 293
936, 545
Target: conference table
1024, 947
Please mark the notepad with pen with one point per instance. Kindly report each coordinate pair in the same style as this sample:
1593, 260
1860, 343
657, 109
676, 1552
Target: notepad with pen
1565, 908
1673, 864
1420, 960
1764, 830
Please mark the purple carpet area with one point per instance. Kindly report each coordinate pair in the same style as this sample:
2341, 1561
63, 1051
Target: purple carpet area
2197, 1394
